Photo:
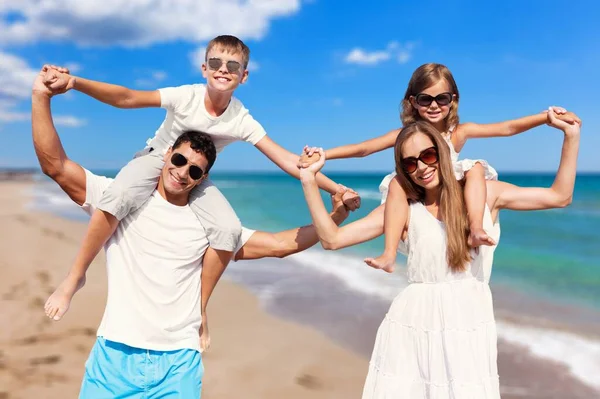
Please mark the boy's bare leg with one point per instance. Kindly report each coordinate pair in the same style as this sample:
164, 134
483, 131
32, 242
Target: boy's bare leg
475, 197
101, 227
395, 216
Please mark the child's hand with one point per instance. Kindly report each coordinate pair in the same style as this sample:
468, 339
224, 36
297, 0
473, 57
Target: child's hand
351, 199
204, 334
385, 262
570, 129
57, 81
568, 117
308, 157
316, 166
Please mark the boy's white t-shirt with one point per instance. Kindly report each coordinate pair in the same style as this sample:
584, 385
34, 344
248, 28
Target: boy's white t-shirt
186, 111
153, 263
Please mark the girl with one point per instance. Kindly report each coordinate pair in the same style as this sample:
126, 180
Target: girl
438, 339
432, 95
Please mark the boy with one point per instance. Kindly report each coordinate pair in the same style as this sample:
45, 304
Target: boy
208, 107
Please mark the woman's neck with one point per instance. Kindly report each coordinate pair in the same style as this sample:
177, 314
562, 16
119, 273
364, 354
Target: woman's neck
432, 196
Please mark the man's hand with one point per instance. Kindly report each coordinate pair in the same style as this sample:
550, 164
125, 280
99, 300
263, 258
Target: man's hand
204, 334
339, 211
57, 79
39, 88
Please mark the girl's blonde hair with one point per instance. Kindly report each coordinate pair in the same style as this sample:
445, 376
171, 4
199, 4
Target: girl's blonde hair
423, 77
452, 205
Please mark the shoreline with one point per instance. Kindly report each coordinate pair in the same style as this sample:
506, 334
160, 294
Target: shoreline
270, 353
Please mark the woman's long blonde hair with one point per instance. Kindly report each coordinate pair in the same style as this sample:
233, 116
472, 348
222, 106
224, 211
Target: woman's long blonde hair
451, 202
422, 78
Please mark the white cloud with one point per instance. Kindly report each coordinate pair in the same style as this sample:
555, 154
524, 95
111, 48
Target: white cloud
138, 22
253, 66
394, 50
151, 81
16, 79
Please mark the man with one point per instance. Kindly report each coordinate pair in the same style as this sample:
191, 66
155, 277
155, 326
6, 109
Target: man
148, 341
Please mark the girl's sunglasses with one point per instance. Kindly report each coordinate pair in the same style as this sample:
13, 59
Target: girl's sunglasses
428, 156
232, 66
179, 160
425, 100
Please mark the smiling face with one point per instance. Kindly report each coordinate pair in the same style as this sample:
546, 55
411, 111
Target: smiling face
434, 113
426, 176
176, 182
223, 79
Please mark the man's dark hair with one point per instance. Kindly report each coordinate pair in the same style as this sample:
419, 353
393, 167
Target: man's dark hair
200, 142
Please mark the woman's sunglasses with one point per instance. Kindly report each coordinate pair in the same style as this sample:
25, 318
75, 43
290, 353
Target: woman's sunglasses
232, 66
179, 160
428, 156
425, 100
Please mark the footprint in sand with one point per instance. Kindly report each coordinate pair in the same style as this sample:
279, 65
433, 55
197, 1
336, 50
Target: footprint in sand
50, 359
15, 291
309, 381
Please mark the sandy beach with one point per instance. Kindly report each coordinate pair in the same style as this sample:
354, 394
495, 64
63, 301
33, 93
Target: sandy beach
253, 354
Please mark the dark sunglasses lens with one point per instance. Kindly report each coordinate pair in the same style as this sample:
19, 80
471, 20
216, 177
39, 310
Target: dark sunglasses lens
409, 165
424, 100
233, 66
178, 159
214, 63
443, 99
429, 156
195, 172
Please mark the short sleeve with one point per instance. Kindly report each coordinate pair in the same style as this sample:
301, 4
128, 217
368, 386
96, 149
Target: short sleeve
251, 130
94, 189
173, 98
244, 237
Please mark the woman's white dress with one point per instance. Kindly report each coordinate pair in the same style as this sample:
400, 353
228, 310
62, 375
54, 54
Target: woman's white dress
438, 339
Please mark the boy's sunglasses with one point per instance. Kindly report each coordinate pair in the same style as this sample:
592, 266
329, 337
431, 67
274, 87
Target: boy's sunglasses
232, 66
428, 156
179, 160
425, 100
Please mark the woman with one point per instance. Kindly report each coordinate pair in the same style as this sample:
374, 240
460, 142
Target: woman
438, 339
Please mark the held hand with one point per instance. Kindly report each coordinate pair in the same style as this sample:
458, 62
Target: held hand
308, 157
569, 128
60, 69
351, 199
38, 85
339, 210
315, 167
58, 82
569, 117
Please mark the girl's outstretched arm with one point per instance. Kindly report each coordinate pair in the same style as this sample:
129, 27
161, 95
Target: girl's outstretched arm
508, 128
364, 148
395, 218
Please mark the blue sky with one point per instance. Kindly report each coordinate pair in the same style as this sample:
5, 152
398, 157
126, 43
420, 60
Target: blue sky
324, 73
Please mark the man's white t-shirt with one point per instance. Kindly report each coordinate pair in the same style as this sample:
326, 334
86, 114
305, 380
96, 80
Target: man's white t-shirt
186, 111
153, 263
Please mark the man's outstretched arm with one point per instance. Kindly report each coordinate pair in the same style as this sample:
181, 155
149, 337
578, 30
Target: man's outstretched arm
51, 155
284, 243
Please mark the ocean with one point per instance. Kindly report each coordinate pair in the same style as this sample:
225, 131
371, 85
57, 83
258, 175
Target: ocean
545, 280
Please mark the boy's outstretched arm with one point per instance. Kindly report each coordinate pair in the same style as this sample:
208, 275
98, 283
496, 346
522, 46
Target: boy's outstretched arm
115, 95
364, 148
288, 162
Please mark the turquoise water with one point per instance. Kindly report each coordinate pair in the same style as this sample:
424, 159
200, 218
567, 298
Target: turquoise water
554, 253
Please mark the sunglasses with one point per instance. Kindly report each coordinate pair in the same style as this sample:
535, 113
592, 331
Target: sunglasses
179, 160
232, 66
428, 156
425, 100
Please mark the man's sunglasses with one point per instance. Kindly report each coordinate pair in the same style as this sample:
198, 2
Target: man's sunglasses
232, 66
179, 160
425, 100
428, 156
